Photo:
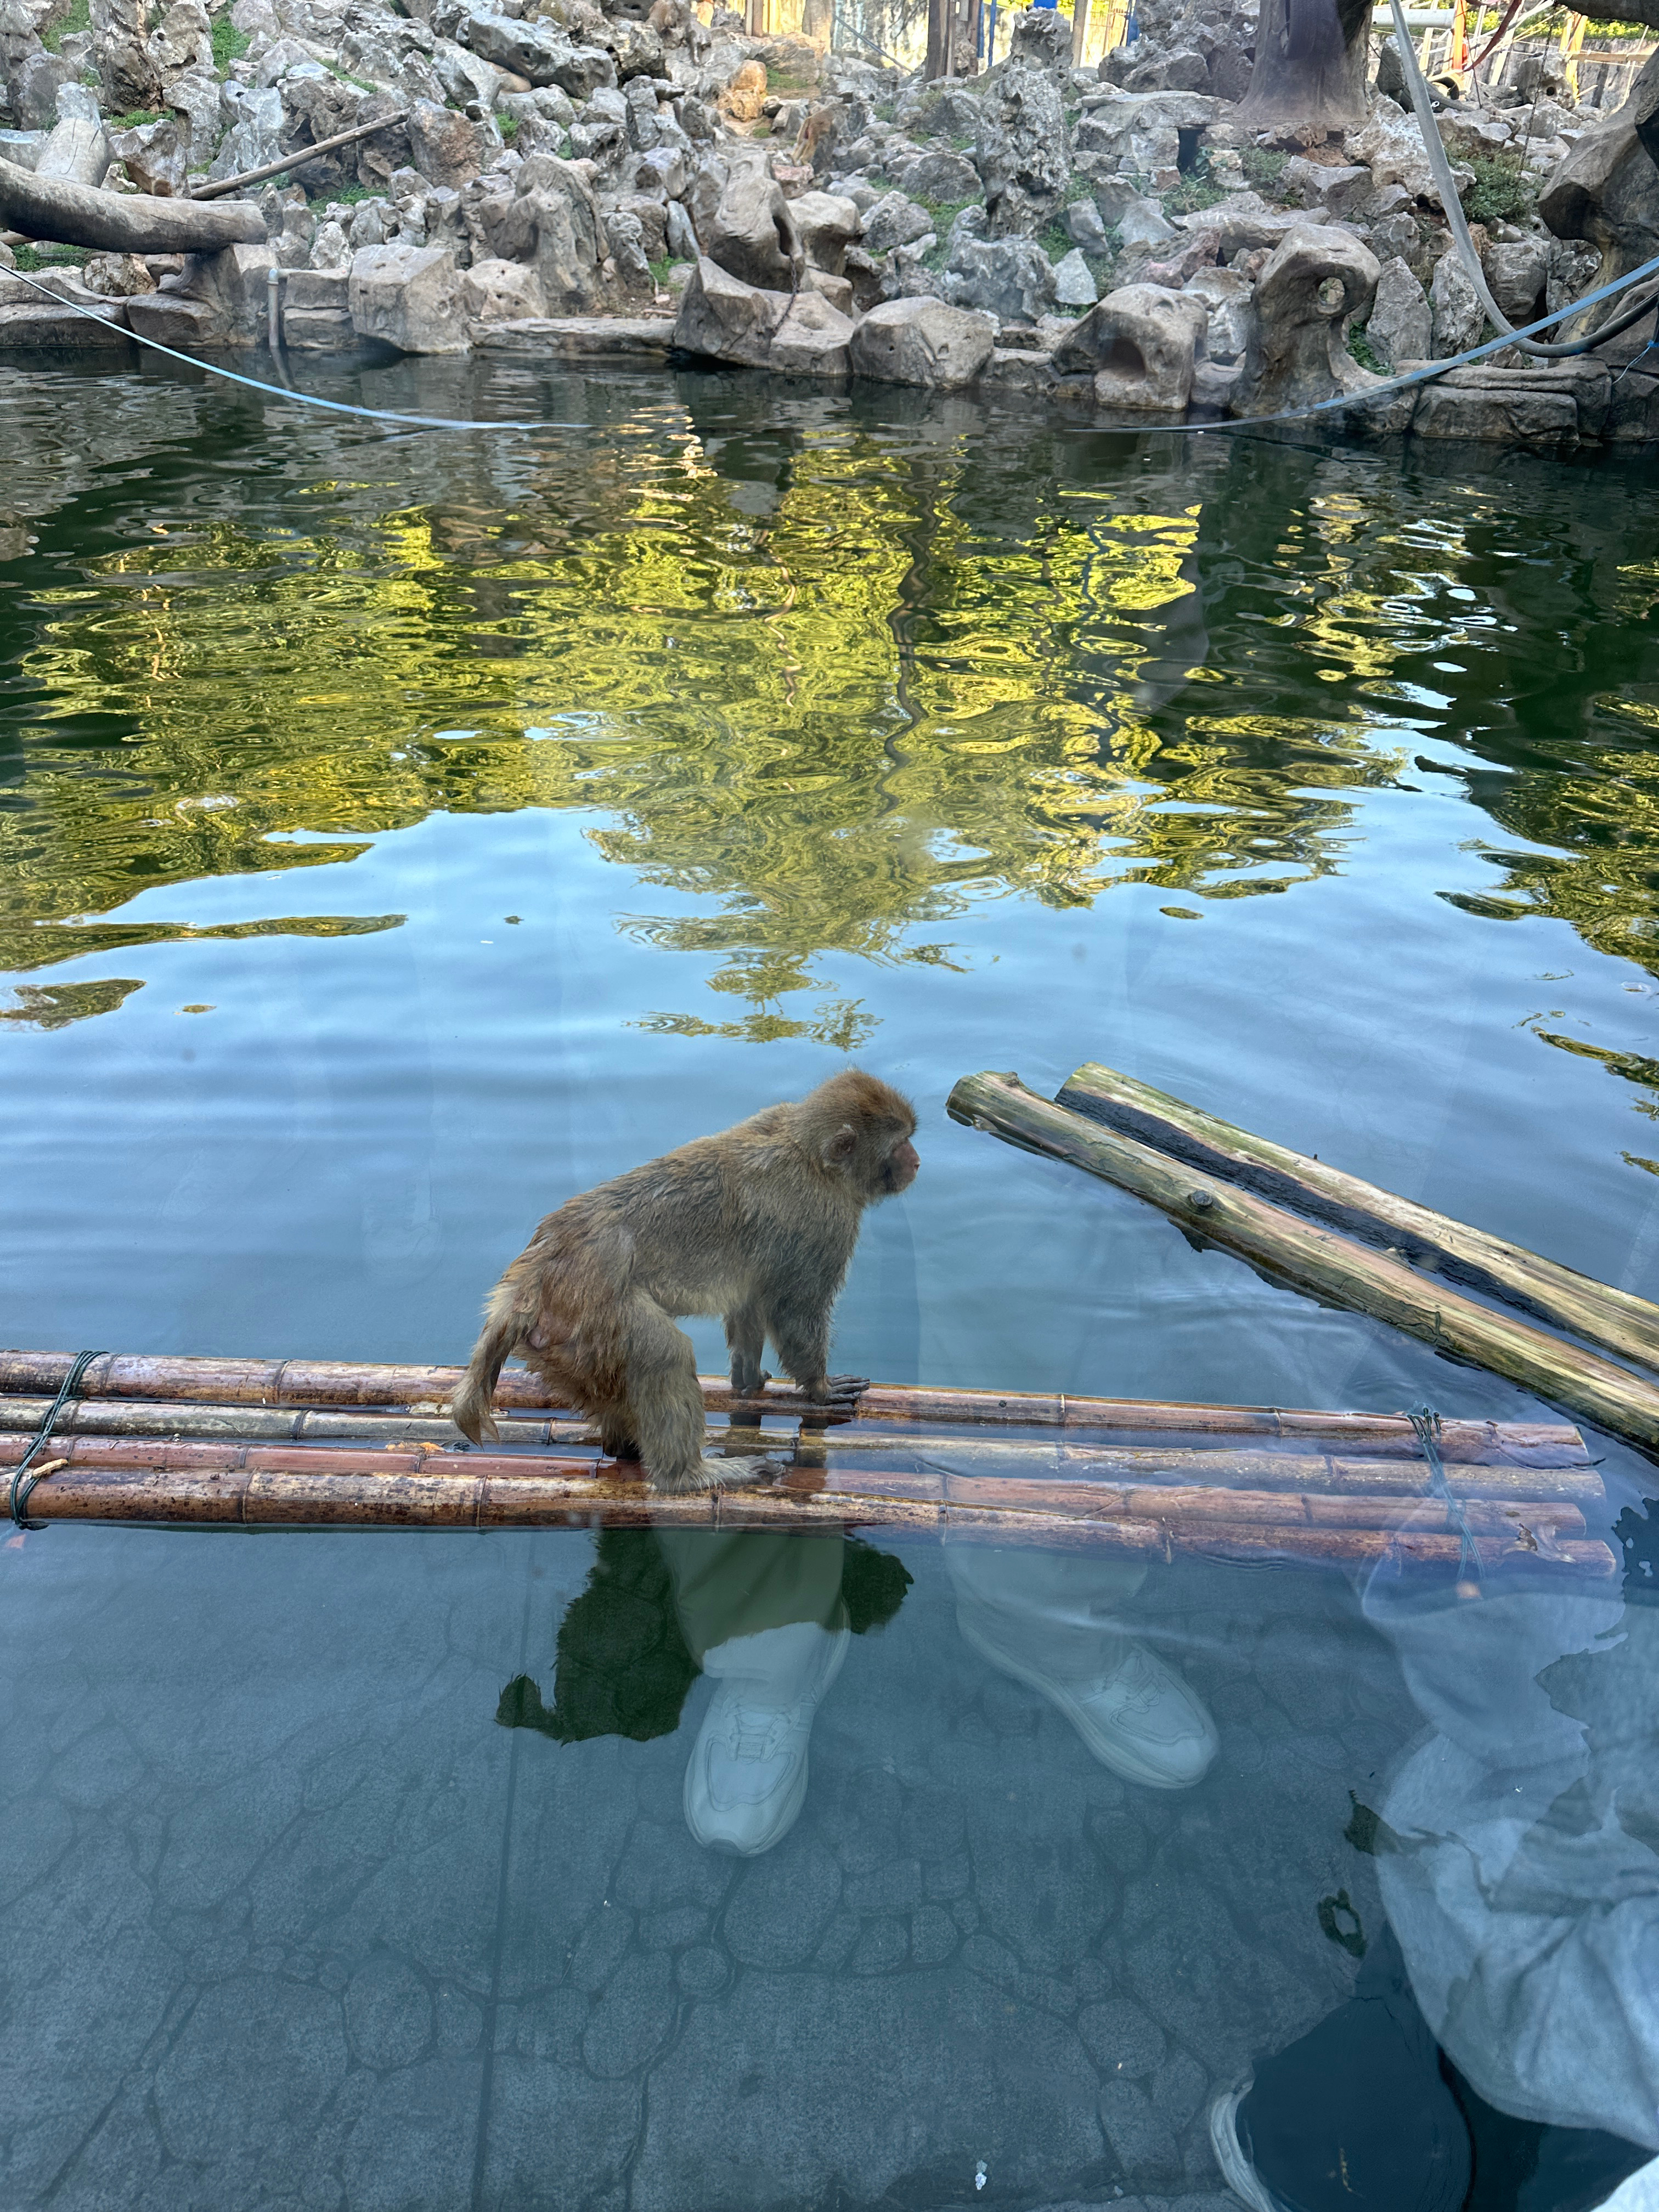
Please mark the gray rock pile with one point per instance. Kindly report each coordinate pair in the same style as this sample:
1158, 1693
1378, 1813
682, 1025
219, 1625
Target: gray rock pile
561, 177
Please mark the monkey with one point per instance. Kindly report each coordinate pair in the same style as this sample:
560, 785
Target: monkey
820, 127
757, 1225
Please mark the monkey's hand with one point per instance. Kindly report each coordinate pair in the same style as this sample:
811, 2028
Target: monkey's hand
840, 1391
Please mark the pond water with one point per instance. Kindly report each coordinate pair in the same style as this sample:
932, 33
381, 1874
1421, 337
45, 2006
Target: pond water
399, 832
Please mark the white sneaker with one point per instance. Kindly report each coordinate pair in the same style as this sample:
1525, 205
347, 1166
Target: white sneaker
1237, 2171
745, 1781
1136, 1715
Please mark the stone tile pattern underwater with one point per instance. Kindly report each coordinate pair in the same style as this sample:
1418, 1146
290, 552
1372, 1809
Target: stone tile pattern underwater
294, 1923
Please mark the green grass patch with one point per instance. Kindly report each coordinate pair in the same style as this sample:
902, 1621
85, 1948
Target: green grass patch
509, 127
1360, 347
1197, 188
77, 17
1501, 190
229, 44
885, 111
1263, 167
344, 195
660, 269
1056, 242
356, 83
944, 212
134, 117
32, 259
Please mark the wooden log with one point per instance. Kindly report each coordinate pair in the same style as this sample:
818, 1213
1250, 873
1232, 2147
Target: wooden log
1309, 1258
298, 158
1624, 1325
292, 1383
121, 222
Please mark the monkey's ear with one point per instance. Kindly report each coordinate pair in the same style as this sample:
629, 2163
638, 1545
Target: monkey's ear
840, 1148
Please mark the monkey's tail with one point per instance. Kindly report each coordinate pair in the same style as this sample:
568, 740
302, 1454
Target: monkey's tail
471, 1407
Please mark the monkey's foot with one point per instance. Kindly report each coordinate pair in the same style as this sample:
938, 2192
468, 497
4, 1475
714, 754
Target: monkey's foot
743, 1470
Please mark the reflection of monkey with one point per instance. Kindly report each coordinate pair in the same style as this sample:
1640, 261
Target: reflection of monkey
758, 1224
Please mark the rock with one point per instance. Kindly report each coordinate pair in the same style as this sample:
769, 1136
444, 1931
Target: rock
921, 342
408, 296
723, 318
530, 50
1173, 268
942, 179
317, 329
1009, 278
1141, 131
254, 134
1074, 284
116, 275
1041, 38
448, 148
1391, 147
1517, 275
78, 152
1400, 327
1459, 316
753, 235
636, 49
44, 324
1144, 223
826, 224
1140, 344
183, 39
895, 221
1606, 191
581, 339
501, 292
1574, 265
812, 340
22, 148
1498, 414
679, 240
1337, 190
1085, 227
318, 290
1227, 294
743, 96
233, 285
567, 236
126, 75
1396, 235
153, 155
1314, 284
1023, 153
633, 282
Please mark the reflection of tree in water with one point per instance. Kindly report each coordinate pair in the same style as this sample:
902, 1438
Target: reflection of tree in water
836, 683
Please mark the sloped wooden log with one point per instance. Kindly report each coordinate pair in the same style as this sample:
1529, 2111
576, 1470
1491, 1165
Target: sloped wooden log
347, 1383
121, 222
298, 158
1309, 1258
1620, 1323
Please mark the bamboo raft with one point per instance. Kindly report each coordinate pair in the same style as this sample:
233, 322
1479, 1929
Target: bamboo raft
287, 1443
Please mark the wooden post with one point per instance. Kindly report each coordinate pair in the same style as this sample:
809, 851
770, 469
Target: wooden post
938, 39
1311, 1258
1572, 47
1079, 31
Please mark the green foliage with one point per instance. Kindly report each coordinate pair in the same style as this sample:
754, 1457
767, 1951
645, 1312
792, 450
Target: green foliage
31, 259
885, 111
1264, 168
77, 17
134, 117
944, 212
356, 83
1360, 347
1197, 188
508, 125
1501, 190
229, 44
659, 269
1080, 188
343, 196
1056, 242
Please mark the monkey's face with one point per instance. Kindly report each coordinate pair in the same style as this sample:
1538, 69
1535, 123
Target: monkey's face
898, 1170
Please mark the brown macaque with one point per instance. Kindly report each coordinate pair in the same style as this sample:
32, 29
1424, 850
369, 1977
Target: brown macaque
757, 1225
819, 129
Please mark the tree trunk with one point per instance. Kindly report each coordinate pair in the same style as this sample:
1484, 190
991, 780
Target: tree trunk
1310, 65
121, 222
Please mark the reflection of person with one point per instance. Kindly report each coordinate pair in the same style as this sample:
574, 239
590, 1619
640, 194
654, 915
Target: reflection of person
1518, 1856
1054, 1620
767, 1618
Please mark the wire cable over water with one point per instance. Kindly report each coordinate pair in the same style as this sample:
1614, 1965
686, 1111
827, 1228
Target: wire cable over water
22, 1491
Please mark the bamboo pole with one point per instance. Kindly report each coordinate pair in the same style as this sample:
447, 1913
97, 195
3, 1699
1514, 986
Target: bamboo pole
1309, 1258
1198, 1461
145, 1377
118, 1481
298, 158
1620, 1323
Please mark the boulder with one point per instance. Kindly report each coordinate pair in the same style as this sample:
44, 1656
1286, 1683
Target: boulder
1227, 294
153, 154
42, 81
567, 239
745, 92
255, 132
1084, 227
1041, 38
632, 284
1141, 131
1144, 223
1606, 191
408, 296
448, 149
1390, 146
1339, 190
78, 152
531, 50
827, 225
942, 179
1140, 344
921, 342
120, 49
1516, 274
181, 40
723, 318
501, 292
1074, 284
234, 286
811, 340
318, 290
1023, 152
1400, 327
895, 221
753, 235
1460, 315
1498, 414
1313, 286
1011, 278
